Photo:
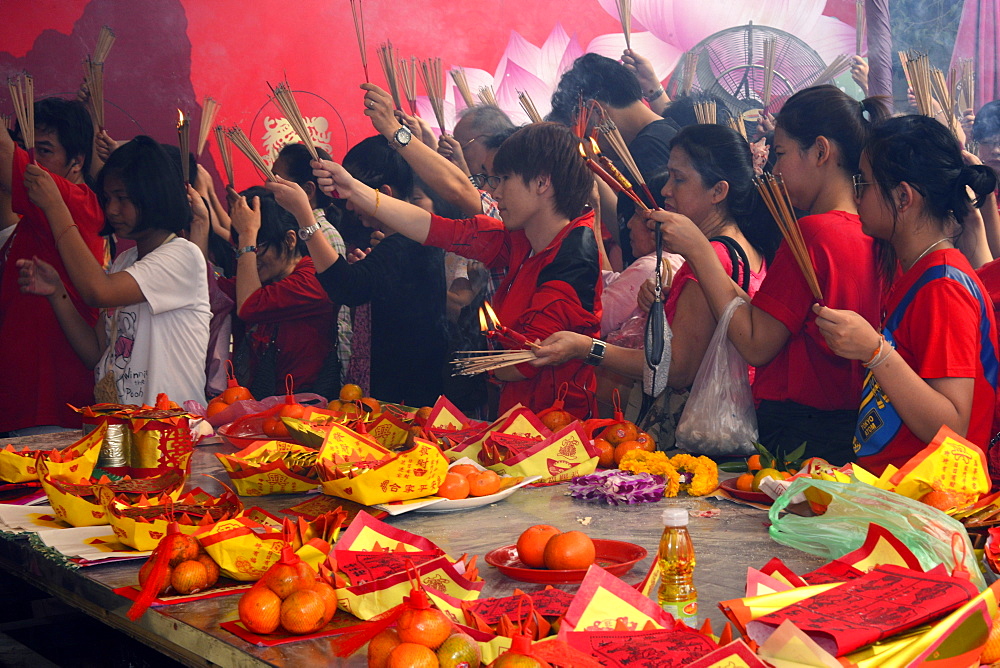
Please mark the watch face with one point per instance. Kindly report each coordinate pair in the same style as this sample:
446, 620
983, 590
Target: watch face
403, 135
306, 232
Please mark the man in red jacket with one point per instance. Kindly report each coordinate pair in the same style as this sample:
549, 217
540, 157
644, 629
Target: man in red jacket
546, 241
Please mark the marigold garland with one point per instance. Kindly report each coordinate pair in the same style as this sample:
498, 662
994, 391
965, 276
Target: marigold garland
697, 476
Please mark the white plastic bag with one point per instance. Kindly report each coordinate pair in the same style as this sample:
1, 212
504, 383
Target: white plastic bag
719, 418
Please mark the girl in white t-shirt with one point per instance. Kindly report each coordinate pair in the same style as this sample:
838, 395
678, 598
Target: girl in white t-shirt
152, 334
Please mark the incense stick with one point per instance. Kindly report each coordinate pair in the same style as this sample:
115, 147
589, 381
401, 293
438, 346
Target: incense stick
529, 107
705, 112
6, 121
918, 69
387, 57
688, 72
93, 74
486, 96
290, 108
433, 77
770, 55
966, 85
944, 91
243, 145
105, 40
408, 75
22, 94
860, 26
490, 361
209, 109
458, 76
625, 16
359, 30
903, 59
184, 142
737, 123
775, 196
617, 142
837, 66
226, 152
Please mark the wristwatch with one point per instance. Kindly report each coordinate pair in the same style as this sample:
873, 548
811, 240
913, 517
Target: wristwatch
246, 249
305, 233
596, 354
401, 137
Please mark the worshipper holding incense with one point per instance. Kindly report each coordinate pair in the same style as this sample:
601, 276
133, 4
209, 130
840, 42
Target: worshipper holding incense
710, 183
546, 241
42, 373
934, 362
803, 390
153, 332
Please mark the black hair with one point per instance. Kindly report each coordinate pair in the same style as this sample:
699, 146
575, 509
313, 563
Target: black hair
923, 153
987, 123
275, 223
829, 112
442, 207
681, 109
548, 149
373, 162
494, 140
153, 182
720, 153
296, 159
593, 77
72, 124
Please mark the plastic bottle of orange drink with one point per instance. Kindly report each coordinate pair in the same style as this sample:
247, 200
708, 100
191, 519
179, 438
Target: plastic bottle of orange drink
678, 595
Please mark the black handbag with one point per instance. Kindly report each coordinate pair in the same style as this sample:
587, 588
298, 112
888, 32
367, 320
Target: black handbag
262, 380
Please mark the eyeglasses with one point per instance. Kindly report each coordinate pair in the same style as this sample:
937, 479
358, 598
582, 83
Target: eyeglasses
262, 248
484, 181
859, 185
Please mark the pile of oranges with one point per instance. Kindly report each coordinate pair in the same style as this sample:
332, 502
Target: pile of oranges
353, 403
189, 568
466, 480
289, 596
544, 546
230, 396
756, 471
423, 638
618, 439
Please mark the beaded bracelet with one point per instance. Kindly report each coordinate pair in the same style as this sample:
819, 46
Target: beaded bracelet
878, 349
375, 212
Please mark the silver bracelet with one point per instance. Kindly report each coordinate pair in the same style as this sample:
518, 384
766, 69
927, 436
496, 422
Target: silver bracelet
654, 95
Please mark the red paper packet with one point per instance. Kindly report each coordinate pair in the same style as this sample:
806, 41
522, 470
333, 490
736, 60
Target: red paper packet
224, 587
341, 623
658, 648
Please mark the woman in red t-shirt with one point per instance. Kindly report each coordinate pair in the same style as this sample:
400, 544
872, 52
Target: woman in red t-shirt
935, 361
804, 392
288, 319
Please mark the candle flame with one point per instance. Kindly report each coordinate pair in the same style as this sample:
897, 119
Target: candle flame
491, 315
594, 146
181, 120
483, 327
583, 151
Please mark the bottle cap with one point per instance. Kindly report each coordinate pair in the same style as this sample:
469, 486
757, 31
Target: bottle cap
675, 517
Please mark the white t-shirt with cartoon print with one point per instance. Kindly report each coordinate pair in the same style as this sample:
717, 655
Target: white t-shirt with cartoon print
162, 342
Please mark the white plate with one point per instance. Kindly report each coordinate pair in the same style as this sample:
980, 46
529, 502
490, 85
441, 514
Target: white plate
449, 505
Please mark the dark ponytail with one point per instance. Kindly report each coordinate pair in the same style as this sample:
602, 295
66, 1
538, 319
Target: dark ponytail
829, 112
296, 159
719, 153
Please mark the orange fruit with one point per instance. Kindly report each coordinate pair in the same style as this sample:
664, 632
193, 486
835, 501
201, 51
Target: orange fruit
420, 417
285, 579
189, 577
274, 427
292, 410
373, 405
180, 547
943, 499
412, 655
745, 482
211, 568
569, 551
625, 447
764, 473
329, 596
236, 393
606, 458
455, 486
647, 441
164, 579
215, 406
463, 469
351, 392
302, 612
531, 544
335, 405
351, 410
620, 432
753, 463
483, 483
260, 610
556, 420
511, 660
428, 627
381, 646
459, 651
991, 652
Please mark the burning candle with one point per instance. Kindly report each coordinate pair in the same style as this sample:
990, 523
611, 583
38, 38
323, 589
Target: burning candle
183, 142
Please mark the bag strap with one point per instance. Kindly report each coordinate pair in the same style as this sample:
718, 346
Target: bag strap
738, 258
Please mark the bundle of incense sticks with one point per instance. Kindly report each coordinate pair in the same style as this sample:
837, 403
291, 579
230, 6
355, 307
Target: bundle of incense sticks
529, 107
737, 123
770, 54
617, 143
387, 57
625, 16
22, 94
918, 69
105, 40
690, 67
966, 82
6, 121
903, 59
408, 75
226, 152
482, 361
838, 66
486, 96
243, 145
290, 108
944, 91
619, 184
860, 25
184, 142
772, 190
93, 74
359, 30
433, 76
705, 111
209, 109
458, 76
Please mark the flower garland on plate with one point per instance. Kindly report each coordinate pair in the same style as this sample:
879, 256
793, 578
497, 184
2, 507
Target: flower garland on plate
697, 476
